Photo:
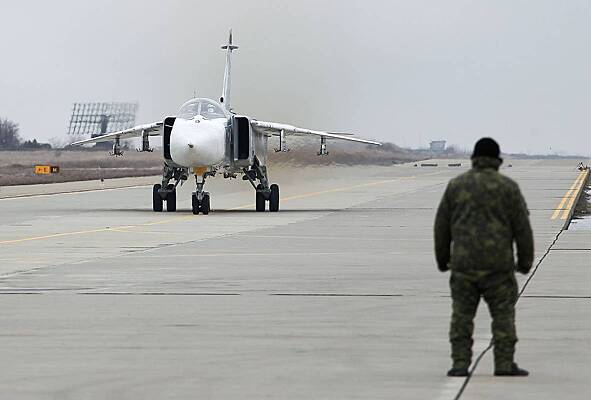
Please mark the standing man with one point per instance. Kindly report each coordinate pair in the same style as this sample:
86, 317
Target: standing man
480, 215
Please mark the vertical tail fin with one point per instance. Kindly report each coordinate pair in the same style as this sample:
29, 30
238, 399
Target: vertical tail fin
225, 99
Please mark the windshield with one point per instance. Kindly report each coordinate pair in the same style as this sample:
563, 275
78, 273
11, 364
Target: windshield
207, 108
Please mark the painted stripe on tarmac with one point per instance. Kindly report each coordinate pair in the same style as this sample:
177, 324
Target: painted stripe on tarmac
567, 195
185, 218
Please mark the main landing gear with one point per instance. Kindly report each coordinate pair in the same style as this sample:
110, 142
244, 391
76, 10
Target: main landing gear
200, 199
169, 197
166, 192
264, 191
271, 195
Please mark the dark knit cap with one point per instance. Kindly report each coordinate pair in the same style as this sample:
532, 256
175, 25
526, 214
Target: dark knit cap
487, 147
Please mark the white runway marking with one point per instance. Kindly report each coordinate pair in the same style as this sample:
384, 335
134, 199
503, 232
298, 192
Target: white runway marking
196, 255
69, 193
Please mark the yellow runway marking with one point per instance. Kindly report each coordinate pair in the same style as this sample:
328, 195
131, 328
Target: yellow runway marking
76, 233
336, 190
574, 195
190, 217
57, 235
566, 196
569, 197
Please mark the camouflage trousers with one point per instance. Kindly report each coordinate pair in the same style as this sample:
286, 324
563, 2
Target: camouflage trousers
499, 290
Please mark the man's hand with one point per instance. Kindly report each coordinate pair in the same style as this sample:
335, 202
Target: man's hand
443, 267
523, 269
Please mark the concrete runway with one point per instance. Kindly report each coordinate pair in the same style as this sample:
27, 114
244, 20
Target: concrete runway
337, 296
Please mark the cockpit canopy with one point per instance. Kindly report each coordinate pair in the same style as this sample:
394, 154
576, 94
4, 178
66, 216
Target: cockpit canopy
207, 108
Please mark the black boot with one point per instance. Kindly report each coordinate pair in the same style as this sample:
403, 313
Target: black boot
458, 372
514, 371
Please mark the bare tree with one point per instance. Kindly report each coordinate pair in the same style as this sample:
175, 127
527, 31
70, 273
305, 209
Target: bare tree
9, 137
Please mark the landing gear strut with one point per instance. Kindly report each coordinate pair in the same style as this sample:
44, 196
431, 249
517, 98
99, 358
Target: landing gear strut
167, 191
264, 191
200, 199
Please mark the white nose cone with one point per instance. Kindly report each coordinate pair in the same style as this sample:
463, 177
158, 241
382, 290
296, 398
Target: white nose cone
199, 144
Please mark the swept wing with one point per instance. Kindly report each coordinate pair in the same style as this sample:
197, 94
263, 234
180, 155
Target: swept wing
274, 129
153, 129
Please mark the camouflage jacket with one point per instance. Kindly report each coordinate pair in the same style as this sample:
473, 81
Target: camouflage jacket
480, 215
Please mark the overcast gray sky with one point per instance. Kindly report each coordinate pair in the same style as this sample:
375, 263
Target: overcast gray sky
402, 71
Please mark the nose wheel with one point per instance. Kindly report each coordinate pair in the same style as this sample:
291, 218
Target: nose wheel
200, 206
200, 199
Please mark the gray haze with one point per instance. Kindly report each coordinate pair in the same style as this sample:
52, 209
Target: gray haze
401, 71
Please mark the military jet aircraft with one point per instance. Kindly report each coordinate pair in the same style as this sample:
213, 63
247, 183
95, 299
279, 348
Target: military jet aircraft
207, 137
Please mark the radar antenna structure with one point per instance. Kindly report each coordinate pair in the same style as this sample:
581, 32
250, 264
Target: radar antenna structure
98, 119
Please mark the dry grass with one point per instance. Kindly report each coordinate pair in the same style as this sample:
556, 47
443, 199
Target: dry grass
302, 152
79, 158
17, 167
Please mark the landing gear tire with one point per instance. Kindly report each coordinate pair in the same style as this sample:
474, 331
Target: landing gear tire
156, 198
171, 198
274, 198
194, 204
205, 205
260, 199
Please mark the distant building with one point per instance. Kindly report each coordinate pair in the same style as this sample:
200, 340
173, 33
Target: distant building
437, 146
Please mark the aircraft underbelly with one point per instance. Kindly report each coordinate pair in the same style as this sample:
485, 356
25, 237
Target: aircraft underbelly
198, 144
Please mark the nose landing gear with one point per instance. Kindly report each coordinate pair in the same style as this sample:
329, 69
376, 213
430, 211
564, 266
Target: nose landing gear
200, 201
202, 205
